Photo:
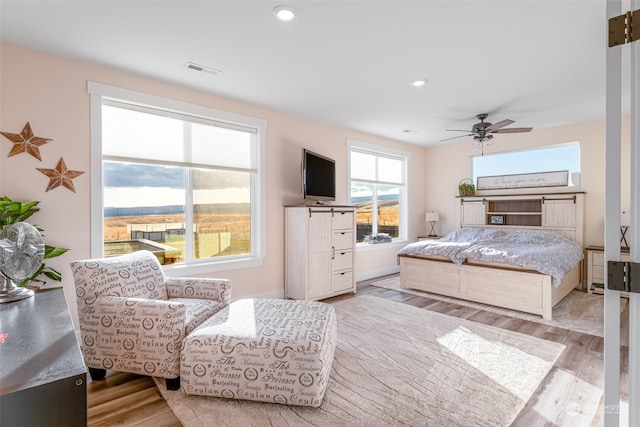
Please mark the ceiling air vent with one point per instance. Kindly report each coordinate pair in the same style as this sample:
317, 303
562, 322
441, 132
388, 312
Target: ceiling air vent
202, 68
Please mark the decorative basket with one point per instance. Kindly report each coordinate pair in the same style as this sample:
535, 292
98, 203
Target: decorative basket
466, 187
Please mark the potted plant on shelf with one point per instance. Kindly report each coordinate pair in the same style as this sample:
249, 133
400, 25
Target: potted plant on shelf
466, 187
12, 212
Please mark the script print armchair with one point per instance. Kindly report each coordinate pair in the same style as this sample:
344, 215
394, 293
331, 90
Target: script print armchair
133, 318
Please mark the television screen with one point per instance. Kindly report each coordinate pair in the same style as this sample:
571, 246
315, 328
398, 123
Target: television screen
318, 177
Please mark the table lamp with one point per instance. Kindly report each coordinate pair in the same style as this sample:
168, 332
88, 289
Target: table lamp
625, 220
432, 218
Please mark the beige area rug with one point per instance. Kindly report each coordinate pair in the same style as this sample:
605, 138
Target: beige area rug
578, 311
396, 364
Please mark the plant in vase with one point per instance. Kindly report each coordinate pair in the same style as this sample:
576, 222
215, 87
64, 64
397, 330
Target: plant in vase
466, 188
12, 212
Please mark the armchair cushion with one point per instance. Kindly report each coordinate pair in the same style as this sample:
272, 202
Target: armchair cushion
204, 288
197, 311
137, 274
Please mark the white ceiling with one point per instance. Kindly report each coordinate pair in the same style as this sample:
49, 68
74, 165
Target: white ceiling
349, 63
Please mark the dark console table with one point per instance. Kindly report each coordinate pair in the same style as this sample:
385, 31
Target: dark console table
43, 379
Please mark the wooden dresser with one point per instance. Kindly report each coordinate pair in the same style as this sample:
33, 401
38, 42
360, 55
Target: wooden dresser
319, 251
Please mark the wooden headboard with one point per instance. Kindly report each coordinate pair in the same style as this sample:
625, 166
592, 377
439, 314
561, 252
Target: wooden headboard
559, 212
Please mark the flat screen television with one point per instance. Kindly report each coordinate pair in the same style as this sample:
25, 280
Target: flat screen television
318, 177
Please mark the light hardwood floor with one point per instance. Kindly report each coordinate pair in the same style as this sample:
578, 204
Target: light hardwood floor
573, 384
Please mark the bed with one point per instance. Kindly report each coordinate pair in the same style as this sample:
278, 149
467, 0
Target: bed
461, 264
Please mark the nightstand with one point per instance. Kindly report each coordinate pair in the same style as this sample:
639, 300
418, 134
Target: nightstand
428, 238
595, 268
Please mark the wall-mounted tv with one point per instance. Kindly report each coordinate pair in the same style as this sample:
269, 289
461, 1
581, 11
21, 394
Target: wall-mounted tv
318, 177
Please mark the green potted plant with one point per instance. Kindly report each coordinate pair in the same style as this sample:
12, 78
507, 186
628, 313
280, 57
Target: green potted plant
11, 212
466, 187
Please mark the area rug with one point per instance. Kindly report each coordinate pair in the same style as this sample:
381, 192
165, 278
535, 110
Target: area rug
578, 311
396, 364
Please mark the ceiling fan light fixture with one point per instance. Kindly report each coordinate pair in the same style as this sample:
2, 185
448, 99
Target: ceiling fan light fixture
484, 131
285, 13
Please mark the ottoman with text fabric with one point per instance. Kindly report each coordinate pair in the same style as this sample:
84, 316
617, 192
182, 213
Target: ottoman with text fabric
269, 350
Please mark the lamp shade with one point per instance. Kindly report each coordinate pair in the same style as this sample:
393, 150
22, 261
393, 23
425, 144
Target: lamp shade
625, 218
432, 217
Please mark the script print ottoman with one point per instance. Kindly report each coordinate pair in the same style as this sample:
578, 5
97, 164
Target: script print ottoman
268, 350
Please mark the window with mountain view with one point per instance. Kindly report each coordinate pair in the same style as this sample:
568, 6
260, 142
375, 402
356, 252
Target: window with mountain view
377, 189
185, 187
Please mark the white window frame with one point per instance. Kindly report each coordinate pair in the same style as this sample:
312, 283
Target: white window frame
524, 151
404, 186
98, 92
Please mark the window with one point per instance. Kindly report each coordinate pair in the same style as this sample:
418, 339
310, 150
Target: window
182, 181
378, 190
548, 159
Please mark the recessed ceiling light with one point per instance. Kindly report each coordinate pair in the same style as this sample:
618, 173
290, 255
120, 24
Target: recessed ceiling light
419, 83
285, 13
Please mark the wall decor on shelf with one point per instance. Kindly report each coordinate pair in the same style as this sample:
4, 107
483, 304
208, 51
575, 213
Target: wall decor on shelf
25, 141
497, 219
60, 176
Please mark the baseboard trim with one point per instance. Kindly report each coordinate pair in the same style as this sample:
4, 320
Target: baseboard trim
372, 274
277, 294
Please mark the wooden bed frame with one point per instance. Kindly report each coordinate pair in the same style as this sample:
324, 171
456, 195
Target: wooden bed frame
496, 284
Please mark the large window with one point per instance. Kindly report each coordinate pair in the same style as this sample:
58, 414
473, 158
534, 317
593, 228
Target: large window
378, 190
548, 159
178, 180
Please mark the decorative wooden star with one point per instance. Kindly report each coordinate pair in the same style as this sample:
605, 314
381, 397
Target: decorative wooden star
61, 176
25, 141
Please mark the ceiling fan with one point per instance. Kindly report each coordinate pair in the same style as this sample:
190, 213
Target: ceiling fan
483, 131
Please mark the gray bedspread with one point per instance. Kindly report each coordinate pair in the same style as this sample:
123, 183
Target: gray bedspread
543, 251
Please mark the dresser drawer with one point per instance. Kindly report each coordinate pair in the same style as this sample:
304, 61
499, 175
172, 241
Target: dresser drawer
343, 220
597, 259
597, 274
343, 260
343, 240
343, 281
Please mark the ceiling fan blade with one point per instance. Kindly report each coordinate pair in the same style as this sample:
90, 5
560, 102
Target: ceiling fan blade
512, 130
455, 137
458, 130
499, 125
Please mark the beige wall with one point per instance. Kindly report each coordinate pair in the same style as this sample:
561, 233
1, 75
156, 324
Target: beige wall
446, 165
50, 92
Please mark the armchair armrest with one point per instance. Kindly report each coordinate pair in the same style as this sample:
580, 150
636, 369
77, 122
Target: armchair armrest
140, 335
203, 288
